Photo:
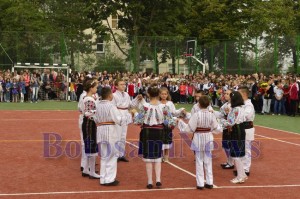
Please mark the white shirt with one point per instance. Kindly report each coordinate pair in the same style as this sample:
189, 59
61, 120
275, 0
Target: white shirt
278, 91
249, 111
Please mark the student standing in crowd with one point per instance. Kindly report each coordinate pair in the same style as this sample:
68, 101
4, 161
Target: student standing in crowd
293, 97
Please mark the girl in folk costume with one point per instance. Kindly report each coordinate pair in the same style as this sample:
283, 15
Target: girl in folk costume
89, 129
15, 92
202, 124
153, 116
165, 99
224, 110
235, 125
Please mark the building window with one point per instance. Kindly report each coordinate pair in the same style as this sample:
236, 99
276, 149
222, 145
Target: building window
114, 21
100, 46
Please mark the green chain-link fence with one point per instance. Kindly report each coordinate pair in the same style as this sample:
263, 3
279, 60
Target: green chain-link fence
156, 54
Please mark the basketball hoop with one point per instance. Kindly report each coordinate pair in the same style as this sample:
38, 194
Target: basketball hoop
187, 55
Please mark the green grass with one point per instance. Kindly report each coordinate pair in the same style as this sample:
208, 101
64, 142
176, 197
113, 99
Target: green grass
278, 122
46, 105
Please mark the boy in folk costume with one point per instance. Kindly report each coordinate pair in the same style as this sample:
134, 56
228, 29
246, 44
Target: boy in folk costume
107, 118
202, 124
249, 129
123, 102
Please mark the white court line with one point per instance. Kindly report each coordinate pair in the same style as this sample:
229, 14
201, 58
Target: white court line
172, 164
278, 130
278, 140
142, 190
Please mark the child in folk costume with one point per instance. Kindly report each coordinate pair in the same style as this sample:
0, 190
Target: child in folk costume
81, 109
107, 118
89, 129
196, 107
202, 124
153, 116
235, 125
165, 99
124, 103
224, 110
249, 129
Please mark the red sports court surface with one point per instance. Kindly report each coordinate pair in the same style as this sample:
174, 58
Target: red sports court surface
26, 173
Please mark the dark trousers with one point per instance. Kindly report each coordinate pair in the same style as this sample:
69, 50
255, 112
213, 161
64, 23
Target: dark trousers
293, 107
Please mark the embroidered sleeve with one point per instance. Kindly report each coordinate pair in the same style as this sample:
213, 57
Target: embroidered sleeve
168, 119
231, 118
89, 108
140, 116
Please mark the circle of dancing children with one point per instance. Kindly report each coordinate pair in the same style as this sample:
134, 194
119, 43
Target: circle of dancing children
103, 124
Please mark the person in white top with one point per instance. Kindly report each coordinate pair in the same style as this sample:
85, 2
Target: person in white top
89, 129
196, 106
278, 93
107, 119
122, 101
165, 99
153, 118
249, 118
234, 124
202, 123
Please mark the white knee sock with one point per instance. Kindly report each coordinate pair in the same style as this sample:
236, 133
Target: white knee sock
157, 171
149, 172
92, 161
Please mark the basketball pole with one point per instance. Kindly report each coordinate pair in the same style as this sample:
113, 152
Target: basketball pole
6, 53
200, 62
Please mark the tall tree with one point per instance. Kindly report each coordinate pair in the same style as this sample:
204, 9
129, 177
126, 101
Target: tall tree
139, 20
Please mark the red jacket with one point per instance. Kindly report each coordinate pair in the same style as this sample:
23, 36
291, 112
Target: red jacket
294, 92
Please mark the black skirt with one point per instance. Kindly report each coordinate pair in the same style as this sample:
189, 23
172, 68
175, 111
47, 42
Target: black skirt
151, 141
237, 141
89, 131
226, 139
